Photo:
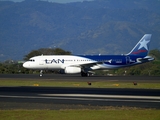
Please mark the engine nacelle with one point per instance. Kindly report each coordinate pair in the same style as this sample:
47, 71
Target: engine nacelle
72, 70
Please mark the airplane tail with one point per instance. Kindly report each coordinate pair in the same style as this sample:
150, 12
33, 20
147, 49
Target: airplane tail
142, 47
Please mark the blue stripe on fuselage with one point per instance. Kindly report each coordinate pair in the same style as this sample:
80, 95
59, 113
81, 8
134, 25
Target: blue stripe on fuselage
107, 59
112, 59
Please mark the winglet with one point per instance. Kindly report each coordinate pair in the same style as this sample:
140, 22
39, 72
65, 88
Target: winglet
142, 47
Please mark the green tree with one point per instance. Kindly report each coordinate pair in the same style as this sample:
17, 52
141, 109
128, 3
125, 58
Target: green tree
155, 53
31, 54
46, 51
43, 51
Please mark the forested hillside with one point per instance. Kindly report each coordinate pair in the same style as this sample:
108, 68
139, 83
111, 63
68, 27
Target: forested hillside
100, 26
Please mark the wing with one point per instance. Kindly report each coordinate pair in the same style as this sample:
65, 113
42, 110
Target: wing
88, 65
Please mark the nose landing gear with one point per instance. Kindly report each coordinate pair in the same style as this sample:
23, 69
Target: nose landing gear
41, 73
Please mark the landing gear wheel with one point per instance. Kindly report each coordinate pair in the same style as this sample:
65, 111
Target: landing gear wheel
83, 74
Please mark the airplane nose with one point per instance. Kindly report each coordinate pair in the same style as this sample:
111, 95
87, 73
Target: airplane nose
25, 65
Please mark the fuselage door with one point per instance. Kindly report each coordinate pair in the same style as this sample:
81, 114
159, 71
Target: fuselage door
41, 61
127, 60
42, 64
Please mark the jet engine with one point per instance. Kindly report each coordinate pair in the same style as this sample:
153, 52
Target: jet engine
72, 70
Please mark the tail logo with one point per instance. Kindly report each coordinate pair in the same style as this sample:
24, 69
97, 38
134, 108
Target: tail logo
142, 46
143, 43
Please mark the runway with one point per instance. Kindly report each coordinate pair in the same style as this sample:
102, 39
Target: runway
77, 77
77, 98
59, 98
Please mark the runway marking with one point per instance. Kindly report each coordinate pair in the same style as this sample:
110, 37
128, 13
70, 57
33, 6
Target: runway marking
92, 98
104, 96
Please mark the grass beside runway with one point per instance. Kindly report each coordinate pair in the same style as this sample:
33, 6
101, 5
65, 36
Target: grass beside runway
106, 114
94, 84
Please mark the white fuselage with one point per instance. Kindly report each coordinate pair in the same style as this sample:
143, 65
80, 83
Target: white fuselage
56, 62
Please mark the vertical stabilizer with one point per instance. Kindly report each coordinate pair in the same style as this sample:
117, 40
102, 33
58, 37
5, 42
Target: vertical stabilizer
142, 47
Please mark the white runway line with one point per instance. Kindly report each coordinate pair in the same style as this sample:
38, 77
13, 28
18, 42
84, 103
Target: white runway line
85, 97
103, 96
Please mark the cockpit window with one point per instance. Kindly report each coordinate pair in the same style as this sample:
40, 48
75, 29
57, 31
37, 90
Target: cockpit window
32, 60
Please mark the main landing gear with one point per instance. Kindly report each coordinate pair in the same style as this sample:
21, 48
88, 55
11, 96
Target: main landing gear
85, 74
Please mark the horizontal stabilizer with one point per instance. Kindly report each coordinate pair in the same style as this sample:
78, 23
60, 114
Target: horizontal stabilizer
145, 59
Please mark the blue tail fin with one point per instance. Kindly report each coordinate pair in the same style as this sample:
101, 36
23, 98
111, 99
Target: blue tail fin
142, 47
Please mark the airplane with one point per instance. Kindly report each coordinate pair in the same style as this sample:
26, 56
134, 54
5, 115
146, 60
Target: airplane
86, 64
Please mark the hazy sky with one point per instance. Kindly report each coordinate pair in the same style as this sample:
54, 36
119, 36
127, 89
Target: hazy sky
59, 1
